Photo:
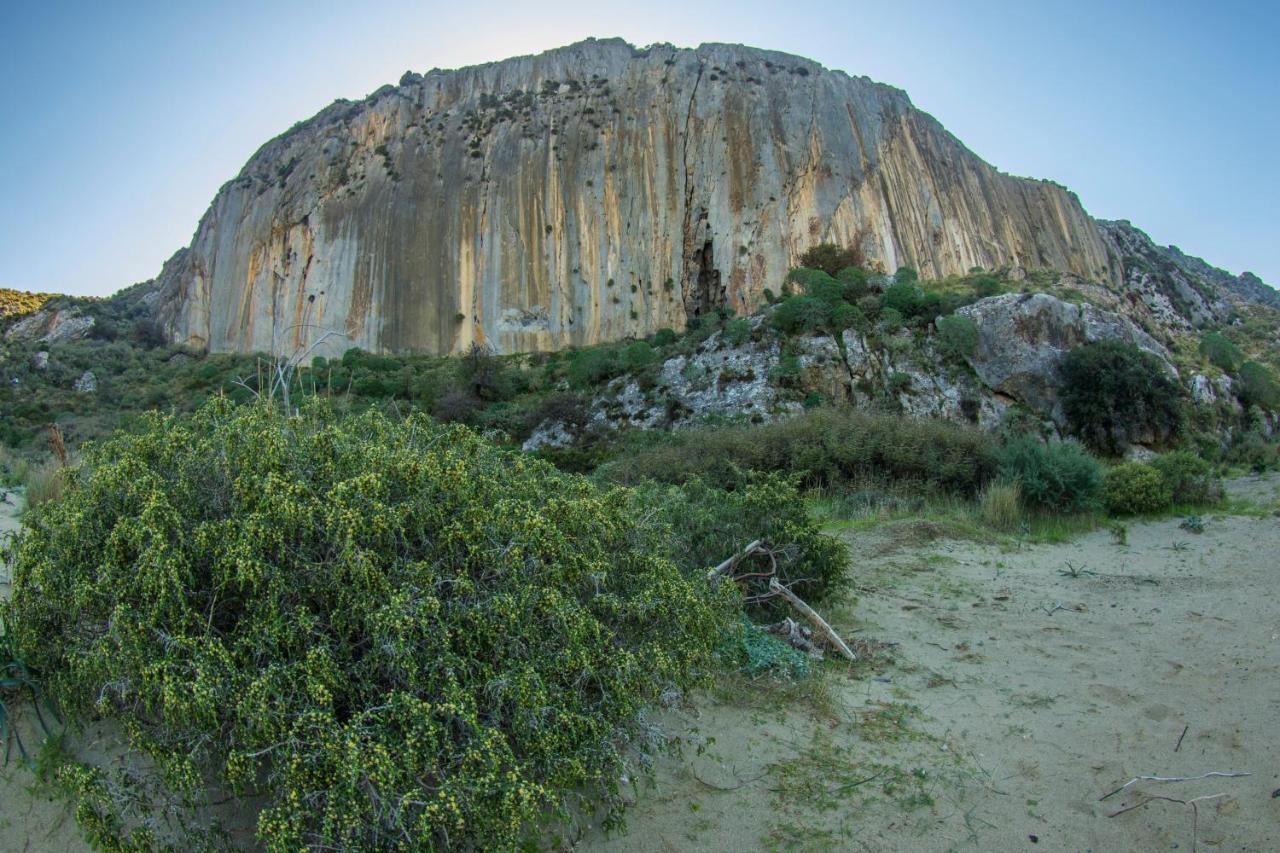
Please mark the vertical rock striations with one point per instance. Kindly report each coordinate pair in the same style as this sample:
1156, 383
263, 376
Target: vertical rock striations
590, 193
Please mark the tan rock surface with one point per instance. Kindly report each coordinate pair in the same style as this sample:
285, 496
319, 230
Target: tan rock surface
590, 193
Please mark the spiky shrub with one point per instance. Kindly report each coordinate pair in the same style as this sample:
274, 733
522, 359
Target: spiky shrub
1136, 488
397, 634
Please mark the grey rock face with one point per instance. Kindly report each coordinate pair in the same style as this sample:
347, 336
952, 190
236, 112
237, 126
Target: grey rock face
587, 194
1181, 291
87, 383
40, 361
1022, 340
50, 327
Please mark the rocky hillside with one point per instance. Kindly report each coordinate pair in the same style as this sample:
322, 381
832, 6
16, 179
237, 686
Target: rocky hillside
591, 193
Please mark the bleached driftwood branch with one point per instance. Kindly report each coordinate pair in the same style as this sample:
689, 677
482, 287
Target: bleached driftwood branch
812, 615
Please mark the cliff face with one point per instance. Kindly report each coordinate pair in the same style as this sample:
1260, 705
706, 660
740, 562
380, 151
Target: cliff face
590, 193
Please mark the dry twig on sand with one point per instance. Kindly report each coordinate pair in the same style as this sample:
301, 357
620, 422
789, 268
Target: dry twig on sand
1195, 811
1210, 775
1194, 802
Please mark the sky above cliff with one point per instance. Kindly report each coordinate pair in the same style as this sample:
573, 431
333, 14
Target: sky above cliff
119, 122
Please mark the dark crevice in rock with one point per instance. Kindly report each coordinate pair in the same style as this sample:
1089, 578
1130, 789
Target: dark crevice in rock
707, 291
688, 232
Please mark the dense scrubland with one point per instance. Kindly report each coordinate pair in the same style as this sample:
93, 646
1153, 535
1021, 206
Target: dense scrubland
373, 617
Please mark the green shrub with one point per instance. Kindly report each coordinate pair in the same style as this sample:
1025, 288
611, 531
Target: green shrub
1114, 395
1136, 488
1254, 450
856, 285
737, 332
824, 447
1055, 477
593, 366
664, 337
709, 524
831, 258
1258, 386
957, 336
817, 283
1190, 478
798, 315
905, 297
890, 320
390, 632
1221, 352
984, 286
637, 356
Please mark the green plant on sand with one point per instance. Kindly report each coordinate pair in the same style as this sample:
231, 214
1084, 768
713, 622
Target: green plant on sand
392, 632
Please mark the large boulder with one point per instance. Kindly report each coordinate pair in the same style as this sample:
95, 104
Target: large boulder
1023, 338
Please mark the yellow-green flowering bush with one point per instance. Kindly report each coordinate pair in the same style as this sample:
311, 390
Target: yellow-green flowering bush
397, 635
1134, 488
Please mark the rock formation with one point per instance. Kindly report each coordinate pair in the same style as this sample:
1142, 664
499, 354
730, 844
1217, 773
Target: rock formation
590, 193
601, 191
51, 326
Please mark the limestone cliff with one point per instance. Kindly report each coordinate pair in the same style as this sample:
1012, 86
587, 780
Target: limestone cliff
590, 193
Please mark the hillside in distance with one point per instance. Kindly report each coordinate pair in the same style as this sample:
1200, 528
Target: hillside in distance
598, 192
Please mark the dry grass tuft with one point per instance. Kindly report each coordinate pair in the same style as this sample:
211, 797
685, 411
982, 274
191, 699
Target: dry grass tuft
1001, 505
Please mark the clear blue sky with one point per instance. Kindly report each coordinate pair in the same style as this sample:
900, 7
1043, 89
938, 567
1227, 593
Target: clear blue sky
119, 121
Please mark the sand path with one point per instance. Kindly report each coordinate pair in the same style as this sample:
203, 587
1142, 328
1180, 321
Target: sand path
1017, 697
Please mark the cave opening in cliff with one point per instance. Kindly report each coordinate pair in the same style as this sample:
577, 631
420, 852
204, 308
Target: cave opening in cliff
707, 292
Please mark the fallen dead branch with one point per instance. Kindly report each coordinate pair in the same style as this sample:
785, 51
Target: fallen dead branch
791, 630
1178, 745
812, 615
715, 575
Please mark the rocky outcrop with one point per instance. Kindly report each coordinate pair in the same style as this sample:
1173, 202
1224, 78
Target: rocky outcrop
1180, 291
591, 193
1023, 338
50, 326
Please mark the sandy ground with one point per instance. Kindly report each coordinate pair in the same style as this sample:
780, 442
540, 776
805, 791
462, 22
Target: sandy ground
1016, 697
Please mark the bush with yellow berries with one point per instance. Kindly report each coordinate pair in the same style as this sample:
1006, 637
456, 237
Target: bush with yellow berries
389, 632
